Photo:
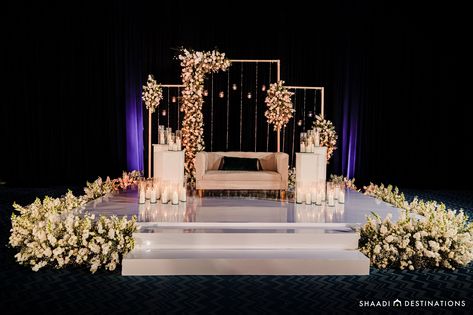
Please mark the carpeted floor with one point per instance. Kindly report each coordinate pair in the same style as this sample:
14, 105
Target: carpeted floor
75, 290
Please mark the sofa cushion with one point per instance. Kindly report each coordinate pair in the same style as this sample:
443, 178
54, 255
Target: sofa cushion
267, 159
230, 163
242, 175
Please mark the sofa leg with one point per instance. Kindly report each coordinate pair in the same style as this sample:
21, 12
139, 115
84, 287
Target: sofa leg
282, 194
200, 193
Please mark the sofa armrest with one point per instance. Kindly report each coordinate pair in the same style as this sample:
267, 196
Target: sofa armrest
282, 165
200, 165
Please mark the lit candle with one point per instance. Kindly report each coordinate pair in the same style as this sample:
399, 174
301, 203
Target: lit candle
330, 199
337, 191
318, 200
299, 196
183, 196
341, 196
308, 200
164, 195
158, 193
317, 139
178, 144
161, 137
148, 193
313, 194
303, 147
175, 198
142, 198
153, 195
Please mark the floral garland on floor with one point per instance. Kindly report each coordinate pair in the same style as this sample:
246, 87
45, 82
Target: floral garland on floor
195, 65
328, 135
279, 105
440, 238
52, 232
152, 94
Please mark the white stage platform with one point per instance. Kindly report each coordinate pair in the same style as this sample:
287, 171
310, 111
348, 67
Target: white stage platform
244, 236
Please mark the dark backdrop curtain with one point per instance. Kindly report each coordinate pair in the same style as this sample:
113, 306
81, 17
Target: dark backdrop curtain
396, 83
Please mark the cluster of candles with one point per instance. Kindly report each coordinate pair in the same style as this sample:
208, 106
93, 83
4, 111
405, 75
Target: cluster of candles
310, 140
154, 190
173, 140
318, 192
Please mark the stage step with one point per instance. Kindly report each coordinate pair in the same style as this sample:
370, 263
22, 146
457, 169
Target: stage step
164, 262
263, 239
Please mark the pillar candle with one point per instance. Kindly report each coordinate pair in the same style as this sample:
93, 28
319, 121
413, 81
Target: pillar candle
341, 196
153, 195
164, 195
337, 192
158, 192
183, 194
313, 194
317, 139
318, 200
175, 197
299, 196
178, 144
303, 147
308, 200
330, 199
148, 193
142, 197
161, 137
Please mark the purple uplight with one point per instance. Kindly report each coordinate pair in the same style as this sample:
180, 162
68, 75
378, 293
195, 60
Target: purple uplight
134, 128
349, 136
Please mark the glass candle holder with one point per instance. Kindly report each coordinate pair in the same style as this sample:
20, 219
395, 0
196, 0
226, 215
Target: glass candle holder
341, 193
330, 195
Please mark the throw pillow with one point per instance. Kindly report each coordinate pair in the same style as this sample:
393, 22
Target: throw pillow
230, 163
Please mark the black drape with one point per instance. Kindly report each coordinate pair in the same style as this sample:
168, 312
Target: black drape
399, 74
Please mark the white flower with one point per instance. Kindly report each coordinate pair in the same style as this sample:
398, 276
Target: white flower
383, 230
377, 249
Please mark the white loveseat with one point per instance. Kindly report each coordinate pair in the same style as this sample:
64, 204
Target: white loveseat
273, 175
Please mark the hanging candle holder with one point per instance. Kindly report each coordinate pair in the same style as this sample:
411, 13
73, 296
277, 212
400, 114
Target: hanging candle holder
206, 93
234, 87
221, 94
249, 95
173, 99
263, 87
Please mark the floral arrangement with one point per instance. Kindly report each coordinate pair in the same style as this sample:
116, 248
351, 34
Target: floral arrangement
99, 188
129, 179
427, 235
349, 183
152, 94
279, 105
54, 232
195, 66
328, 135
